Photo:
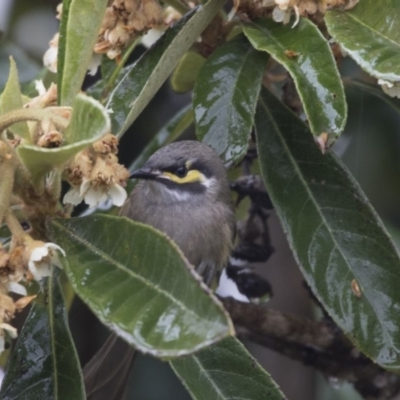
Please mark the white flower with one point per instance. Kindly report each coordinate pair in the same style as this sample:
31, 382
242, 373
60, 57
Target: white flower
392, 89
152, 35
50, 59
51, 54
17, 288
93, 196
279, 15
282, 4
383, 82
42, 258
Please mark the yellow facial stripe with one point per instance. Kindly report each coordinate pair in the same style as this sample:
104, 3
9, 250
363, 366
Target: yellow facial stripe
191, 177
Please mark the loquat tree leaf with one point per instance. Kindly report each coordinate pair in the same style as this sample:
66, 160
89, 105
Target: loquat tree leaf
370, 34
80, 25
143, 79
225, 97
306, 54
11, 99
339, 242
44, 363
225, 371
139, 284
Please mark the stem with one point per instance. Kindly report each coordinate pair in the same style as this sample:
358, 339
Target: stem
178, 5
26, 114
19, 115
7, 168
54, 188
318, 344
117, 70
14, 226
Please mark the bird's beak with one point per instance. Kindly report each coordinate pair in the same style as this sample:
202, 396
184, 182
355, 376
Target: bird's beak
144, 173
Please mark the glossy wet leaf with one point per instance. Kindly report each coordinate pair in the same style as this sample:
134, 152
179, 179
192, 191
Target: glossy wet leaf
370, 33
79, 30
225, 371
139, 284
185, 74
145, 77
337, 238
167, 134
89, 122
44, 363
225, 97
306, 54
11, 99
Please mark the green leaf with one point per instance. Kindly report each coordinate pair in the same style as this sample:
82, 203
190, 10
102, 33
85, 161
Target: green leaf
225, 371
44, 364
185, 74
370, 33
167, 134
89, 122
62, 45
79, 30
140, 285
11, 99
336, 236
28, 68
306, 54
145, 77
225, 97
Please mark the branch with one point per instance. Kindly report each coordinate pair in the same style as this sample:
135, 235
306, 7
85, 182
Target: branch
318, 344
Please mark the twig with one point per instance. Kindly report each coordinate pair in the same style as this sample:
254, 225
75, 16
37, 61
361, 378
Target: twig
318, 344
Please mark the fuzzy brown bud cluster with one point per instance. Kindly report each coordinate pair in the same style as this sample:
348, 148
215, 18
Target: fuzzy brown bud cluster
125, 21
95, 174
283, 9
15, 266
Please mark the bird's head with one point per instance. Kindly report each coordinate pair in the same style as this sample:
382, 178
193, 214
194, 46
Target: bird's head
185, 171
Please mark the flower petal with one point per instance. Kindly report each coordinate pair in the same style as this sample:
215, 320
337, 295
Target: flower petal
12, 332
93, 197
85, 186
17, 288
118, 195
53, 246
39, 270
38, 253
73, 196
50, 59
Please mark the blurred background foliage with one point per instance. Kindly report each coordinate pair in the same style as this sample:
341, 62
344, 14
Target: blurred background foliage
370, 147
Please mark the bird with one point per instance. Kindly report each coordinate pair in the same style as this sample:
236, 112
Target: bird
183, 191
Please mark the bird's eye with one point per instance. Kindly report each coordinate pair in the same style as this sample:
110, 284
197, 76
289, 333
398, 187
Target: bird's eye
181, 172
